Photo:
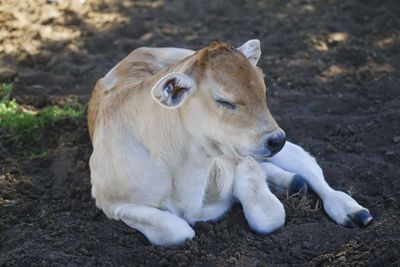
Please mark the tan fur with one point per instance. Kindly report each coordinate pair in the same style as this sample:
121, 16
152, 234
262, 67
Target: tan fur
167, 156
153, 148
134, 65
219, 62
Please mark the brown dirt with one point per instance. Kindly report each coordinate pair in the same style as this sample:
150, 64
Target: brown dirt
332, 68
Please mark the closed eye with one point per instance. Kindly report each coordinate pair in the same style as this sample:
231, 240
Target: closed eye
226, 104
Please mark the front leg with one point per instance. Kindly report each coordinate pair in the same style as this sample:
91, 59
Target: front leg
262, 209
161, 228
339, 206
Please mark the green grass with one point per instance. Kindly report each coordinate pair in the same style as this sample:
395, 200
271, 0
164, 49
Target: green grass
22, 123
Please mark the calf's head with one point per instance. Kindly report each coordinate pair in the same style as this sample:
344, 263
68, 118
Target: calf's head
220, 94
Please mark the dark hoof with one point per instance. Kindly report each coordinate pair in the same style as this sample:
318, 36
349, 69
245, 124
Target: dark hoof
358, 219
298, 184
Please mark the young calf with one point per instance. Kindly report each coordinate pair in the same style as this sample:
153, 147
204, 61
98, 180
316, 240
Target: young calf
178, 135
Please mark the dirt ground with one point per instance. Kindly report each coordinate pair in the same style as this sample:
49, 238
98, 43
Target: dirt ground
332, 71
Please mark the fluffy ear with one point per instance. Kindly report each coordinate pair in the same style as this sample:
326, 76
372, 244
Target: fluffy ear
172, 90
251, 49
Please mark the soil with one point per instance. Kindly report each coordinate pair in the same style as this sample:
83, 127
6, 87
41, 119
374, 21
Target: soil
332, 71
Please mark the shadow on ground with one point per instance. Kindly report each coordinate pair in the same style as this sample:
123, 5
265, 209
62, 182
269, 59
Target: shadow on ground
332, 71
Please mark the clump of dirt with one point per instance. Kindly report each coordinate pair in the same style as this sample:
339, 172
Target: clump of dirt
332, 71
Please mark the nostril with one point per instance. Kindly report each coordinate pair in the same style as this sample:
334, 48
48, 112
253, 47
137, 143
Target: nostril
275, 144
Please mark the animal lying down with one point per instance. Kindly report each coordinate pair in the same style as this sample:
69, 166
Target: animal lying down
178, 135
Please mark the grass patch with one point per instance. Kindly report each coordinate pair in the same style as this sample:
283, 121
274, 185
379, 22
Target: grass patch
19, 122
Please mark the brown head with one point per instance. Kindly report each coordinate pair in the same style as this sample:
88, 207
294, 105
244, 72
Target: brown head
220, 94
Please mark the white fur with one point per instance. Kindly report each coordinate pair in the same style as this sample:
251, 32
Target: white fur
263, 211
147, 171
277, 176
251, 49
165, 56
337, 205
160, 227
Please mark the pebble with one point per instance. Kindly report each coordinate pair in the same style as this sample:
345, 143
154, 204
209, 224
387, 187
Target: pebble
307, 244
80, 165
163, 262
204, 226
389, 152
7, 74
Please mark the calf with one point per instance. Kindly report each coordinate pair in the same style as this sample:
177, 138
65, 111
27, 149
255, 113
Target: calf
178, 135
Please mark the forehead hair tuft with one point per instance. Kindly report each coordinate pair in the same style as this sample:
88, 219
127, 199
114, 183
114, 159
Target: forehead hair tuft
220, 58
213, 50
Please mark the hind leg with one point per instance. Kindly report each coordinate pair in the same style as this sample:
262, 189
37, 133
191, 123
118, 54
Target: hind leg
284, 179
160, 227
131, 177
342, 208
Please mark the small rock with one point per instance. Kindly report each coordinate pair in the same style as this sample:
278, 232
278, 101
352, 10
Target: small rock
231, 260
80, 165
2, 226
307, 244
163, 262
210, 258
342, 258
389, 152
145, 38
7, 74
26, 208
84, 251
396, 139
332, 71
330, 149
204, 226
180, 258
34, 77
359, 147
225, 235
154, 257
222, 225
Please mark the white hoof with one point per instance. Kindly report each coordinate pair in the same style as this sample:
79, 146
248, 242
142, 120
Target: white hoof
344, 210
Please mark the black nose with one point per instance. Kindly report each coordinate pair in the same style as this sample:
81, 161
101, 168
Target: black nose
275, 143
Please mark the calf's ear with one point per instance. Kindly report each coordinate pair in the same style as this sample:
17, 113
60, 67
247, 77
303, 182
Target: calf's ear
251, 49
172, 90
